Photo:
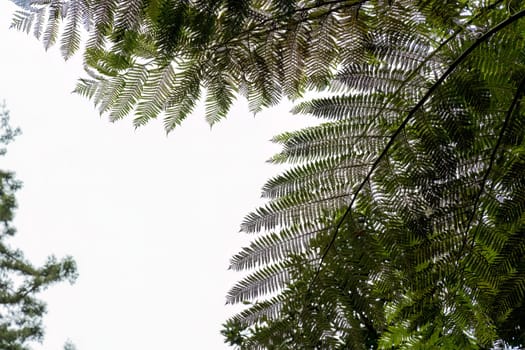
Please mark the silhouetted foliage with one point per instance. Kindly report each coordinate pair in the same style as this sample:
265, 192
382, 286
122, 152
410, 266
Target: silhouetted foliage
400, 224
20, 281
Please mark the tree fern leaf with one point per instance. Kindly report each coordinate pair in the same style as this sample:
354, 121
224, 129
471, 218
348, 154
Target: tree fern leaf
261, 311
86, 87
293, 61
264, 281
52, 25
355, 39
104, 13
221, 94
324, 52
40, 19
70, 40
299, 209
133, 86
108, 91
341, 107
266, 91
156, 90
22, 20
316, 177
183, 97
375, 78
127, 15
275, 247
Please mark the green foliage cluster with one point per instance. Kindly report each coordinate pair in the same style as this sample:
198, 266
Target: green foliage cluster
400, 224
152, 57
20, 282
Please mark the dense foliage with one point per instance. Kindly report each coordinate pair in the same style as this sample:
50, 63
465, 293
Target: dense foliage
20, 282
401, 222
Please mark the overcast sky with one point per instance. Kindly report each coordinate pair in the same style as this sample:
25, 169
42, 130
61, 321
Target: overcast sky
151, 220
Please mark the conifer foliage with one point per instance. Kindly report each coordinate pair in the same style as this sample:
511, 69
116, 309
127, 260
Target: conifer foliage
400, 223
20, 281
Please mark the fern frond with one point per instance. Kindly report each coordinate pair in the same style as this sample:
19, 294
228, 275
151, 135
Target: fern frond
275, 247
323, 52
86, 87
345, 139
221, 94
264, 281
70, 40
346, 107
52, 25
299, 209
183, 96
157, 90
40, 18
295, 48
107, 93
22, 21
104, 13
377, 78
127, 98
128, 14
316, 177
266, 92
261, 311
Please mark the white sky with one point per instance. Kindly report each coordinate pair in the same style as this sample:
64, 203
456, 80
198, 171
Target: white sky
151, 220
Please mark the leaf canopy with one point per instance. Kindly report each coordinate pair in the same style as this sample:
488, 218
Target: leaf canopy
400, 223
